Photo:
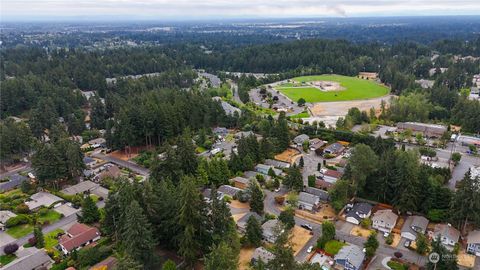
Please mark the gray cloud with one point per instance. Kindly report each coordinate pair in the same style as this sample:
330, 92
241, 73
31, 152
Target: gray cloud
191, 9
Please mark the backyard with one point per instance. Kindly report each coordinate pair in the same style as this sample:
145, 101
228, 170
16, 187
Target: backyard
333, 247
354, 88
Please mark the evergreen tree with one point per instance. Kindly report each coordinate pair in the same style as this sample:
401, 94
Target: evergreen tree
192, 218
301, 163
283, 253
328, 233
90, 213
371, 245
287, 217
137, 236
169, 265
126, 262
223, 225
222, 257
253, 232
256, 197
39, 238
422, 244
448, 260
362, 163
294, 179
466, 202
186, 154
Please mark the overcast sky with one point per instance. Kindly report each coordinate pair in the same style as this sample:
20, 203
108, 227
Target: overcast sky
222, 9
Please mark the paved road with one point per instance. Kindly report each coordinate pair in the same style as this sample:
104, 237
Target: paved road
26, 167
64, 222
283, 101
234, 88
127, 164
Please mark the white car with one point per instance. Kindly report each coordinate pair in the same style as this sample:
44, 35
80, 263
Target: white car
310, 248
31, 175
386, 234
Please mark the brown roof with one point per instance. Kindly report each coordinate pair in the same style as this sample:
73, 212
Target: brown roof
80, 235
112, 171
333, 173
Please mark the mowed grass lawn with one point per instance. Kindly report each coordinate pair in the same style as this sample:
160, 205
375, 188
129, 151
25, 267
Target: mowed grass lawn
355, 89
20, 230
333, 246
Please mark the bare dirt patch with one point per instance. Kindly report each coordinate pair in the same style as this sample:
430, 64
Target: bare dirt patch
340, 108
238, 216
288, 155
396, 239
127, 154
327, 85
299, 238
466, 260
239, 205
245, 258
326, 212
359, 231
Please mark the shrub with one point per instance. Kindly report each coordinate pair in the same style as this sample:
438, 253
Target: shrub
93, 255
389, 239
22, 209
18, 220
32, 241
43, 211
366, 223
10, 249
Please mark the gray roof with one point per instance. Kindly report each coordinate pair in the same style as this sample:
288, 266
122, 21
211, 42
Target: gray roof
334, 148
252, 174
80, 188
474, 237
308, 198
418, 222
269, 226
241, 134
15, 181
228, 190
276, 163
353, 254
387, 216
42, 199
242, 222
446, 230
241, 180
6, 215
88, 160
301, 138
31, 261
263, 255
322, 194
220, 130
227, 107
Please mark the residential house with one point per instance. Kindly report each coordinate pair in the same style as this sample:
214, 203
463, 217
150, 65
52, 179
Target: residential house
261, 254
358, 212
473, 243
427, 130
207, 195
4, 216
98, 142
413, 226
449, 236
350, 257
384, 220
220, 132
111, 172
227, 107
316, 145
240, 182
320, 193
243, 134
277, 164
90, 162
330, 176
86, 187
229, 190
107, 264
323, 260
300, 139
425, 84
271, 229
40, 199
307, 201
242, 222
253, 175
36, 260
78, 236
334, 149
264, 169
322, 184
14, 181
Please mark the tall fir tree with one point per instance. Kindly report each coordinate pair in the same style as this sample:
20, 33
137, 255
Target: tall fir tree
90, 213
256, 197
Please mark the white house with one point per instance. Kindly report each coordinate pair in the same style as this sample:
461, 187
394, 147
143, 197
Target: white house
449, 236
473, 243
384, 220
358, 212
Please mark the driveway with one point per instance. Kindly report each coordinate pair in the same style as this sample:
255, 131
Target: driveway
310, 161
5, 238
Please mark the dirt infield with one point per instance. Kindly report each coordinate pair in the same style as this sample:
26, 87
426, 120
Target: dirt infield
340, 108
288, 155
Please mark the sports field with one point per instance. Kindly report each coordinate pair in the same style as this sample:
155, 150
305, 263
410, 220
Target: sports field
354, 88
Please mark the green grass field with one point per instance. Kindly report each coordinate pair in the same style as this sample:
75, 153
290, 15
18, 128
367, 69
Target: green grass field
355, 89
20, 230
333, 246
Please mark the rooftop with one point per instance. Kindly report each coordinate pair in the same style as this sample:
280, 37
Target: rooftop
78, 235
353, 254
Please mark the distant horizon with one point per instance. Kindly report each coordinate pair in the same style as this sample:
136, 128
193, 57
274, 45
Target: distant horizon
221, 10
220, 20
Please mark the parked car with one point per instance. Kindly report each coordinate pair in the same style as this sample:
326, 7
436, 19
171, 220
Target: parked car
310, 248
407, 243
307, 227
386, 234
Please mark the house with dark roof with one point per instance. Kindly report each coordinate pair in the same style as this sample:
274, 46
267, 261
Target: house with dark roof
320, 193
358, 212
414, 225
264, 169
334, 149
350, 257
78, 236
308, 201
277, 164
449, 236
36, 260
473, 243
316, 145
90, 162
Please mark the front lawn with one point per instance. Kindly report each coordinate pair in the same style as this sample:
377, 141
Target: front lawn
20, 230
51, 241
397, 266
333, 247
303, 114
6, 259
51, 216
